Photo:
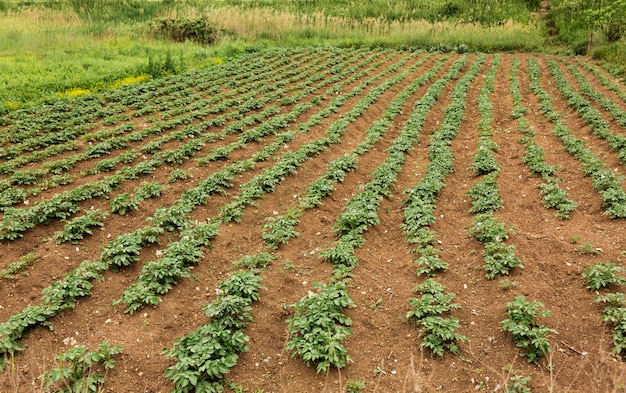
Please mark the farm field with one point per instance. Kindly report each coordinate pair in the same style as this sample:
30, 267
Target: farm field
377, 213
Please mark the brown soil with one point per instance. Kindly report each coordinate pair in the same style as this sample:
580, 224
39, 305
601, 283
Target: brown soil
385, 348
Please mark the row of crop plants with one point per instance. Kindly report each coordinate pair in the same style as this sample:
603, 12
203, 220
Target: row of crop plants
32, 176
318, 318
281, 228
612, 85
485, 196
56, 167
552, 194
125, 249
430, 311
606, 182
608, 104
143, 293
18, 220
584, 108
112, 106
44, 129
211, 367
193, 371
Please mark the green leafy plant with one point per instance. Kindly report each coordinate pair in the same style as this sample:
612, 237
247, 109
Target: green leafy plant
429, 261
178, 174
318, 326
205, 355
507, 284
615, 313
487, 228
256, 261
438, 333
123, 204
78, 369
279, 230
353, 386
76, 229
19, 266
485, 195
149, 190
518, 384
525, 331
588, 249
554, 197
601, 275
499, 259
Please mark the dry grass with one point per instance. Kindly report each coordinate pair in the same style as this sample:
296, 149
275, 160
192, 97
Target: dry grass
285, 26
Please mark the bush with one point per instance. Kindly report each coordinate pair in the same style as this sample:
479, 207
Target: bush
200, 30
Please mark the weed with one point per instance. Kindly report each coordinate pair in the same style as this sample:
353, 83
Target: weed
507, 284
588, 249
76, 371
19, 266
518, 384
353, 386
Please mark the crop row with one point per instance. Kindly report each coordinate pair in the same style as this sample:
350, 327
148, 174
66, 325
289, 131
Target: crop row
124, 250
604, 181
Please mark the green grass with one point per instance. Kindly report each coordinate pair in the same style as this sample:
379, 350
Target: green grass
46, 52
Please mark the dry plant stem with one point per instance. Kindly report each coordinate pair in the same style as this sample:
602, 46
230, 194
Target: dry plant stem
378, 379
551, 369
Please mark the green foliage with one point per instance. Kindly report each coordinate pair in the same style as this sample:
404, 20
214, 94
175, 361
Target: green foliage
553, 196
123, 204
525, 331
588, 249
123, 250
76, 229
438, 333
205, 355
353, 386
485, 195
429, 262
601, 275
518, 384
159, 66
318, 326
499, 259
159, 276
178, 174
19, 266
485, 162
77, 371
149, 190
256, 261
486, 228
615, 314
279, 230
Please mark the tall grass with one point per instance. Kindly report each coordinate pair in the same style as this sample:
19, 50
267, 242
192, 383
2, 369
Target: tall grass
45, 52
486, 12
292, 28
